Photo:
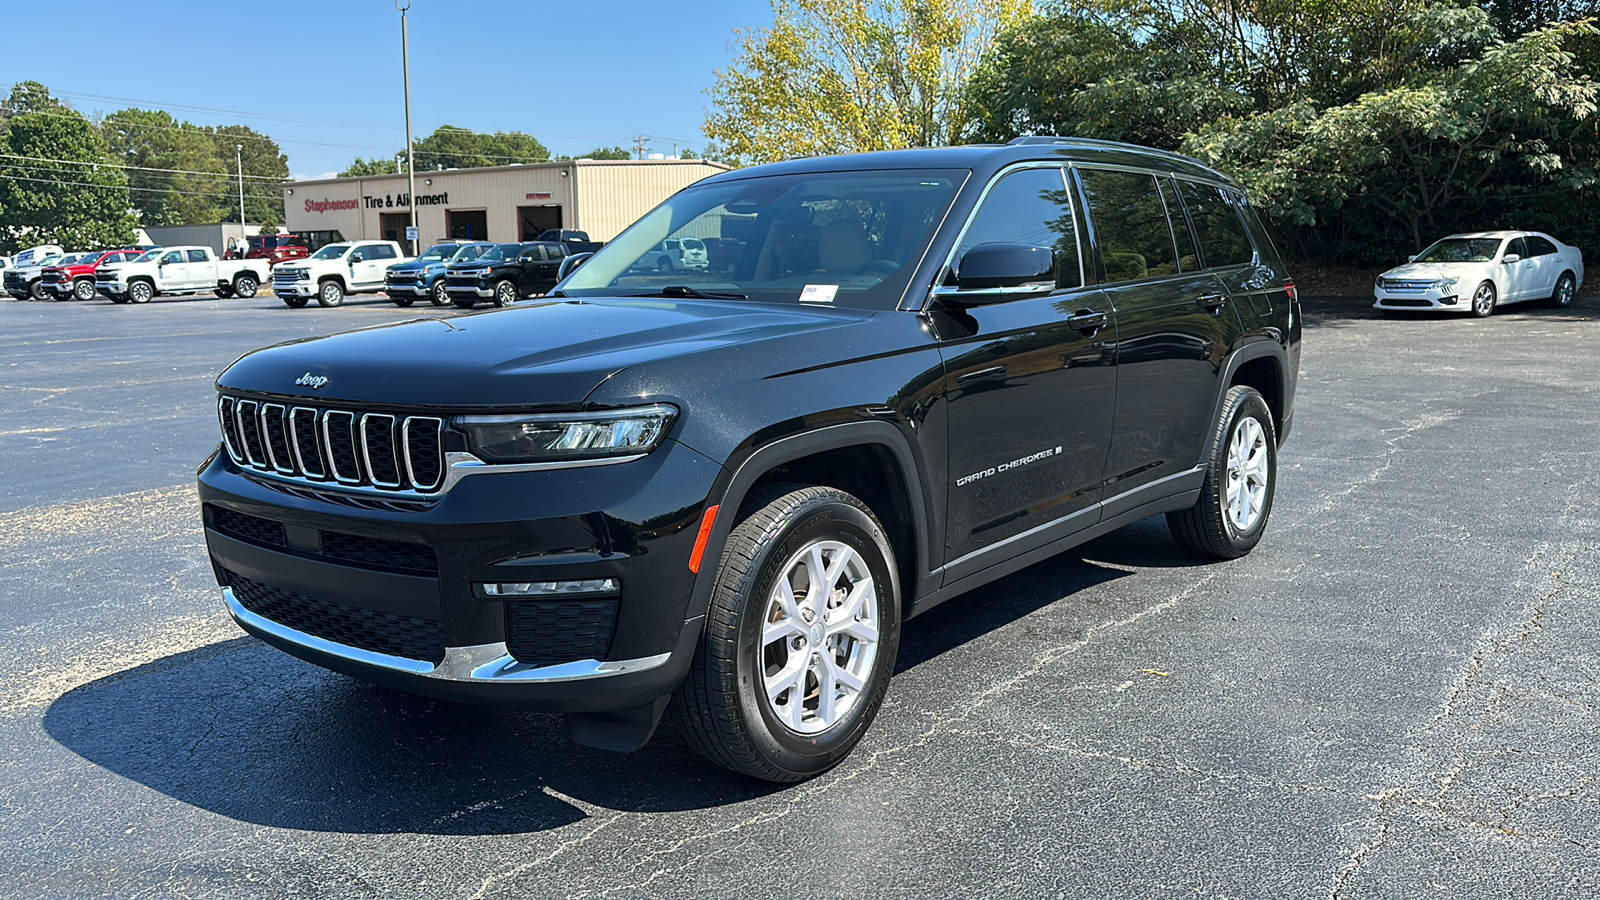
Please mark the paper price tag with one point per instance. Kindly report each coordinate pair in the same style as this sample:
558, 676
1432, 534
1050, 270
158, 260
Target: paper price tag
821, 294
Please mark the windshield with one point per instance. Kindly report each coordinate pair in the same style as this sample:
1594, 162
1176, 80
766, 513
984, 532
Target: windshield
332, 251
469, 253
501, 251
437, 254
148, 255
1459, 250
849, 238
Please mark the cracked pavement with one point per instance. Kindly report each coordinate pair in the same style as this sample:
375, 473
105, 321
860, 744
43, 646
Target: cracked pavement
1395, 695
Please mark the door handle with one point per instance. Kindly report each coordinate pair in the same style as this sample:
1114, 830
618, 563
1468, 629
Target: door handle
1086, 321
1212, 303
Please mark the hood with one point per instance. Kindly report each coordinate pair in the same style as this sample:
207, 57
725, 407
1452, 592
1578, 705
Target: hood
553, 354
412, 265
1430, 271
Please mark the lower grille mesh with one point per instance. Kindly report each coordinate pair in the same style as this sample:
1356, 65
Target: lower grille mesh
555, 632
365, 629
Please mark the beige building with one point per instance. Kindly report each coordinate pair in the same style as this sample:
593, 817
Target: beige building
502, 203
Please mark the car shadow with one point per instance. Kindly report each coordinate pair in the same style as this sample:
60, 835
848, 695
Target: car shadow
244, 731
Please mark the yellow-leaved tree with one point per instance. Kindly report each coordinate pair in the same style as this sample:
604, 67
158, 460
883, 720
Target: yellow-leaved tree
843, 76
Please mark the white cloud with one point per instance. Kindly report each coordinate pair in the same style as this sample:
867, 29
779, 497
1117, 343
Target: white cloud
322, 177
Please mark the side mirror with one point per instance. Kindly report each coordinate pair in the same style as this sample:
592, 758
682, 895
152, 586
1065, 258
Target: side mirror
1413, 257
356, 257
991, 266
1512, 258
571, 264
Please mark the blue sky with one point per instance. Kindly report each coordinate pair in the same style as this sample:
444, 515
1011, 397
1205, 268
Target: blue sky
576, 75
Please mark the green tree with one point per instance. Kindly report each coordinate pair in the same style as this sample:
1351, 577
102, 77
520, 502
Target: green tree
55, 186
838, 76
607, 153
364, 168
263, 199
450, 147
176, 174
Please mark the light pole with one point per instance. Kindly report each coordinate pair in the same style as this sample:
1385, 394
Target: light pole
411, 162
238, 158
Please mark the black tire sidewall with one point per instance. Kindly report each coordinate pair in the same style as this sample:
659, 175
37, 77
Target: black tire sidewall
402, 301
1247, 404
500, 299
328, 299
77, 290
814, 519
1562, 301
438, 295
1494, 300
243, 281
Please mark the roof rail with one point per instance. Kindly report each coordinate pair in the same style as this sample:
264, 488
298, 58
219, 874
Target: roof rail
1095, 142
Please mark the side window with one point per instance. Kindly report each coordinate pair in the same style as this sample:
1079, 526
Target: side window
175, 256
1188, 260
1216, 220
1517, 246
1130, 224
197, 256
1030, 206
1538, 246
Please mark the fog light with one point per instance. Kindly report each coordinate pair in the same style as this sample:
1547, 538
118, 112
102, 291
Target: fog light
548, 588
1448, 301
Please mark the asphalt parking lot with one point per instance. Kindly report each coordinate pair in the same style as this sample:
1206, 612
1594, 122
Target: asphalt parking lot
1395, 695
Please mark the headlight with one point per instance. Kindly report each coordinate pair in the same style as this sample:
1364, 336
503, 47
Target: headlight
1446, 282
555, 437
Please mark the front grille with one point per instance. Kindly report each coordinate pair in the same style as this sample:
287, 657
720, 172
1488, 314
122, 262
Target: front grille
249, 528
364, 629
414, 558
552, 632
461, 281
1400, 284
103, 276
285, 277
345, 447
13, 280
350, 549
55, 277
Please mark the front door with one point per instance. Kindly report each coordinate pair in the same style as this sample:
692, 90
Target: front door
1029, 382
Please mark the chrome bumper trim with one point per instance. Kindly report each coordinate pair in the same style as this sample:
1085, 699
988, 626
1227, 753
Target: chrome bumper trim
483, 663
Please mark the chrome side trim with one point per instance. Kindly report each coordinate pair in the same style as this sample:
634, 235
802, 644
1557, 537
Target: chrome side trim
482, 663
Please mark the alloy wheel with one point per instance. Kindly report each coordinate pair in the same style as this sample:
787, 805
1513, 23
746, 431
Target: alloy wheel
1246, 484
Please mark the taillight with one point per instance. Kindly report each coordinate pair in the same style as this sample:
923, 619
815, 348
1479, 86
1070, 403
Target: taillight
1288, 288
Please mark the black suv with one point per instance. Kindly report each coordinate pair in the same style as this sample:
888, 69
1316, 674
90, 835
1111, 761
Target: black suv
725, 491
505, 273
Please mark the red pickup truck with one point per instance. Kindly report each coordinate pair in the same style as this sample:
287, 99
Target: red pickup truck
77, 280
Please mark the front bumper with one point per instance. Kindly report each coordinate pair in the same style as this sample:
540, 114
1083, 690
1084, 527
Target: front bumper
294, 288
1427, 300
482, 291
391, 595
405, 289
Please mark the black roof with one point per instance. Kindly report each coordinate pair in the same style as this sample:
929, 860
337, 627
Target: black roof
986, 158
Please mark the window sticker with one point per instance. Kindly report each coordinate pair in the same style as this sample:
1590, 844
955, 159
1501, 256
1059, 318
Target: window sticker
820, 294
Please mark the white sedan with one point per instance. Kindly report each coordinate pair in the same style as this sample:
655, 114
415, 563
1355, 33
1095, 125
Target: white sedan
1477, 272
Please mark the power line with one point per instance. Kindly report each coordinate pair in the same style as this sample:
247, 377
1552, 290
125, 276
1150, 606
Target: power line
147, 190
230, 112
76, 162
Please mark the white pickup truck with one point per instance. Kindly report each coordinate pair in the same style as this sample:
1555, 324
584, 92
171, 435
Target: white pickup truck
348, 267
179, 270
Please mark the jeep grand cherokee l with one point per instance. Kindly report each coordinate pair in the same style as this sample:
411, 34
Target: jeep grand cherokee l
724, 492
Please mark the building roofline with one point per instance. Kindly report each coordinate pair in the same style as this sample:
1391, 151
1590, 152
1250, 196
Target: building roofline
554, 164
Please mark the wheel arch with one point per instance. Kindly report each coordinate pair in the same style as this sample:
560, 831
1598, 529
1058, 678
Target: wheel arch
872, 461
1261, 365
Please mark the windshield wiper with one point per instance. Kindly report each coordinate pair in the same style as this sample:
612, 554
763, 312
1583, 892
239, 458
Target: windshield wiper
684, 290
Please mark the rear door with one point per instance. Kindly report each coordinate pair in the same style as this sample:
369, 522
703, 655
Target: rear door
1547, 266
1174, 323
1028, 380
199, 271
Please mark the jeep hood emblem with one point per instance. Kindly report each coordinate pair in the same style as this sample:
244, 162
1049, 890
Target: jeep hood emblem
311, 381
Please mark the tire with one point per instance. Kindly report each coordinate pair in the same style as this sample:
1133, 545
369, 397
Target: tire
505, 294
464, 302
438, 294
36, 289
402, 300
1566, 290
747, 703
330, 293
295, 302
245, 285
663, 265
140, 292
1230, 516
83, 289
1483, 300
118, 298
223, 291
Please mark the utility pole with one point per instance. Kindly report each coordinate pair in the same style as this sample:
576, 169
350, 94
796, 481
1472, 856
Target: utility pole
411, 162
639, 144
238, 158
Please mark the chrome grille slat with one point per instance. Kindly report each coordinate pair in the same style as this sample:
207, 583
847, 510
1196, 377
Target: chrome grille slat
275, 437
322, 447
